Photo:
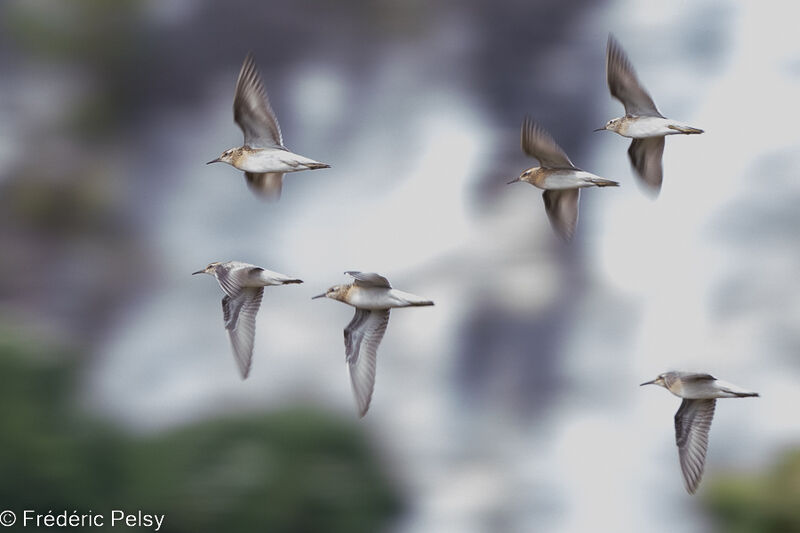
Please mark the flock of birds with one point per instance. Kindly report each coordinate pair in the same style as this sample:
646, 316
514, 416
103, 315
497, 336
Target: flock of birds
265, 160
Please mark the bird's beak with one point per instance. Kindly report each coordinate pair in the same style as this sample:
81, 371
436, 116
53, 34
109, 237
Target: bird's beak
318, 296
217, 160
514, 181
600, 129
199, 272
652, 382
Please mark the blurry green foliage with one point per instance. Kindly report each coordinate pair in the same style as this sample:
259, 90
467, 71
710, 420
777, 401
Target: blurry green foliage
763, 503
296, 471
99, 40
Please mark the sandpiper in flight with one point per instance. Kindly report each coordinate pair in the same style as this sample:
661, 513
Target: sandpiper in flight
373, 297
243, 285
263, 157
642, 121
693, 419
560, 179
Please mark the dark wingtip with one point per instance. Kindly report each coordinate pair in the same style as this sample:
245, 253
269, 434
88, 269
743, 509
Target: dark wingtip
290, 281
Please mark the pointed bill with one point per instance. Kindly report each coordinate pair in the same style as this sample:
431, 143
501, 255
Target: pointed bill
252, 112
624, 85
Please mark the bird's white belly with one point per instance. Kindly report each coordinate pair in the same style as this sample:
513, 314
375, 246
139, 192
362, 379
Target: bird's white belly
643, 127
568, 179
704, 390
272, 161
370, 298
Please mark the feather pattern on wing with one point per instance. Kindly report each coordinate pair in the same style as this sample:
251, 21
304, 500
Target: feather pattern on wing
692, 424
252, 112
266, 185
369, 279
233, 280
536, 142
362, 336
645, 156
239, 313
561, 206
624, 85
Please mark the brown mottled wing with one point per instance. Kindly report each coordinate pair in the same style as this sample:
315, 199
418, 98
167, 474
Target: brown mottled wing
561, 206
239, 313
536, 142
361, 339
645, 155
252, 112
624, 85
692, 424
369, 279
265, 185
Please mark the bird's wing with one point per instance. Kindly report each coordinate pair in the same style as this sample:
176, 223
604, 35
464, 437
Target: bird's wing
265, 185
239, 313
536, 142
698, 377
624, 85
645, 155
561, 206
234, 280
251, 109
361, 339
692, 423
369, 279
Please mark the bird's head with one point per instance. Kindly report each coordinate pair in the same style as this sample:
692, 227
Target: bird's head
615, 124
226, 157
661, 380
210, 269
337, 292
527, 176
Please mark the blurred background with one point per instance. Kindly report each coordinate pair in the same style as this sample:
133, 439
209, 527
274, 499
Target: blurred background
513, 404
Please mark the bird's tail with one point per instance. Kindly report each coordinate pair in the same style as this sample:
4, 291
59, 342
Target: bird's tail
406, 299
600, 182
688, 130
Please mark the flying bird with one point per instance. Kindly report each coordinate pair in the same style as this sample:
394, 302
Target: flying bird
263, 157
642, 121
693, 419
560, 179
373, 297
243, 285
